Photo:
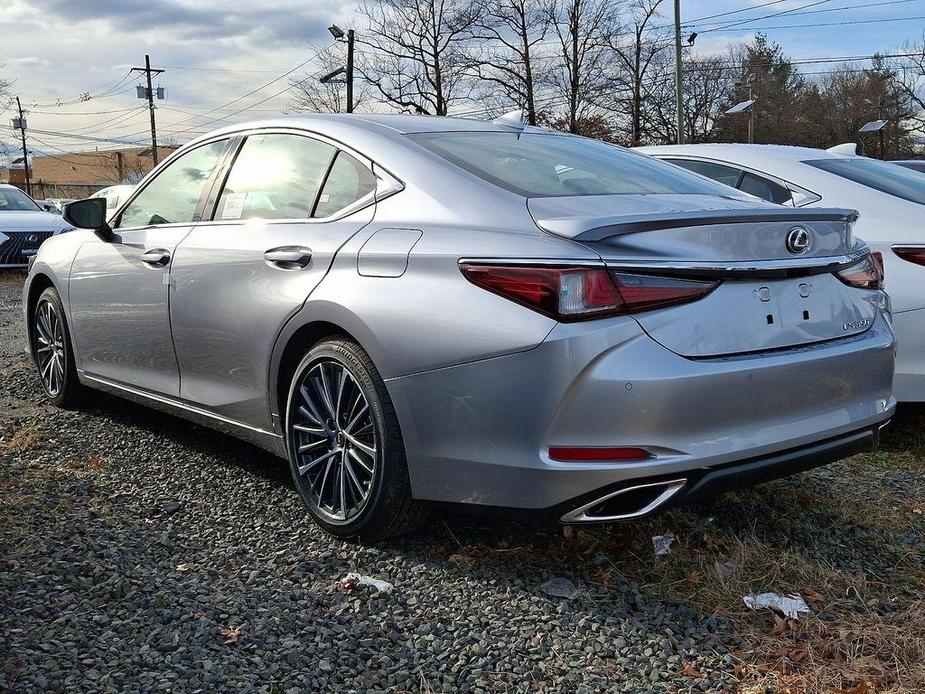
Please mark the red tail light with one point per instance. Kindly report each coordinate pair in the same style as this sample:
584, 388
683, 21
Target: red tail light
912, 254
866, 274
582, 293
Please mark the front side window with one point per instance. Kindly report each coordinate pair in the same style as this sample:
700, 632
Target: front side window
880, 175
348, 181
548, 165
726, 175
173, 196
14, 200
275, 176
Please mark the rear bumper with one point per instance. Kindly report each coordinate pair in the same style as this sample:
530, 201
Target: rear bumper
479, 433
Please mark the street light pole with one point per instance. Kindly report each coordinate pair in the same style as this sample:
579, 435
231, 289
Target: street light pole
679, 99
350, 37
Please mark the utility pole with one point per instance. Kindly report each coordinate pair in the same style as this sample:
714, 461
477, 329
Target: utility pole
149, 92
25, 152
350, 37
679, 99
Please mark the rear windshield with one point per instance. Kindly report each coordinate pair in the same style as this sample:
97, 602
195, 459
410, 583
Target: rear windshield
880, 175
538, 165
14, 200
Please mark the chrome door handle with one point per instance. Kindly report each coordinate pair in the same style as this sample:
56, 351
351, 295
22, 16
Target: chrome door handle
156, 257
289, 257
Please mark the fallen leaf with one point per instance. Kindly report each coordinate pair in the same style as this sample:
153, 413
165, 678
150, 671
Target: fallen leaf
230, 635
183, 568
690, 671
863, 687
96, 463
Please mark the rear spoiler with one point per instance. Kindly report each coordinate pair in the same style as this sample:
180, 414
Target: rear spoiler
605, 227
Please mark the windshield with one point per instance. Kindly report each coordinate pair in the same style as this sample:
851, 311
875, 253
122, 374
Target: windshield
14, 200
883, 176
537, 165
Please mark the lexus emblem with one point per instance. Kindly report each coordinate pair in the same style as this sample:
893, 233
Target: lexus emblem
797, 240
32, 238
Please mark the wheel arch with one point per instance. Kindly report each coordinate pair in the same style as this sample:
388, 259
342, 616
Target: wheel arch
298, 336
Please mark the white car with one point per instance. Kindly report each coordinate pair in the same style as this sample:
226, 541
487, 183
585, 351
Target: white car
114, 195
24, 225
889, 198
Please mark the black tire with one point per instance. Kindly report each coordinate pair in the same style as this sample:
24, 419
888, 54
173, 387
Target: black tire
64, 389
388, 509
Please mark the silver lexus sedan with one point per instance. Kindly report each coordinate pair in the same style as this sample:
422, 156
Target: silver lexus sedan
416, 310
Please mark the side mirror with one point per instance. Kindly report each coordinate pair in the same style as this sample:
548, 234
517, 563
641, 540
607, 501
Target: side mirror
89, 214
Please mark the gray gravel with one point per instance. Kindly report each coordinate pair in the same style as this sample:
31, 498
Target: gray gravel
129, 540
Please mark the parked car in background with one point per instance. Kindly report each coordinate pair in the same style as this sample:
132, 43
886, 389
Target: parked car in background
447, 310
59, 203
114, 195
889, 198
24, 226
47, 206
914, 164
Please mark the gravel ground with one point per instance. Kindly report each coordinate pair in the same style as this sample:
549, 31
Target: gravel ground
140, 552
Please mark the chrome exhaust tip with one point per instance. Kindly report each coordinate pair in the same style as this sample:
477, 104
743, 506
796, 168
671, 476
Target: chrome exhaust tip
639, 500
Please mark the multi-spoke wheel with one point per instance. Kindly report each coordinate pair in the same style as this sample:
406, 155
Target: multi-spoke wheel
345, 447
51, 348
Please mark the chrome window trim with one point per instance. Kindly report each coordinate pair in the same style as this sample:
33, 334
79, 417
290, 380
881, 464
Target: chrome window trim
391, 183
792, 187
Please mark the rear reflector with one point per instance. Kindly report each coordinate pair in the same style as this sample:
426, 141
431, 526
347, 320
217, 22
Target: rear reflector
866, 274
583, 293
584, 455
912, 254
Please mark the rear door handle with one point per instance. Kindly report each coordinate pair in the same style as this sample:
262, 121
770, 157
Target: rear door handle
289, 257
156, 257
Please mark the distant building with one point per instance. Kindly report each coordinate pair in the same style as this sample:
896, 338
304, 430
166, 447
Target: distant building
80, 174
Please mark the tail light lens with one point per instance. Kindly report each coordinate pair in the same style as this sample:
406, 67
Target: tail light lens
867, 274
913, 255
581, 293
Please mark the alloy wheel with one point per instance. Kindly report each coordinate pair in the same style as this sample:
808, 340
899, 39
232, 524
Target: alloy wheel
49, 346
334, 441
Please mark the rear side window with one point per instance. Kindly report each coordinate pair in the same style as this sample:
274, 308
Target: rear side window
765, 189
726, 175
173, 196
348, 181
880, 175
548, 165
274, 176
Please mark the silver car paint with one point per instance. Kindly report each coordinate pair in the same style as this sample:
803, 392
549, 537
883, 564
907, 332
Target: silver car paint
884, 221
481, 385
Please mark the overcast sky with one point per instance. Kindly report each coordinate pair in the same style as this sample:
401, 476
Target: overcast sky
216, 52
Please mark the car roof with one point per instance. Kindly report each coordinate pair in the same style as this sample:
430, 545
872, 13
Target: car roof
744, 153
387, 124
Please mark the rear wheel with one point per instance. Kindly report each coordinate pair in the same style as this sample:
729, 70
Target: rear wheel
53, 353
345, 446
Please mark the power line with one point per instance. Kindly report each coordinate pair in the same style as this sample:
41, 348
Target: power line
794, 12
822, 24
766, 16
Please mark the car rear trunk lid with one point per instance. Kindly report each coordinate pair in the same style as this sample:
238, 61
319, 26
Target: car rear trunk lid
770, 294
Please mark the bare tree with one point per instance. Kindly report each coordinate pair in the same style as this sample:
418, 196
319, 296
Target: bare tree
505, 35
910, 80
584, 30
313, 96
708, 87
636, 60
416, 58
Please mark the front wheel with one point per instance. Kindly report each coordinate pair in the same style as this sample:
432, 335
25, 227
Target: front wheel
52, 350
345, 446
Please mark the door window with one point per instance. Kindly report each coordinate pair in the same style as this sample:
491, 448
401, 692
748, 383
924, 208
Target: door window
348, 181
274, 176
718, 172
173, 196
765, 189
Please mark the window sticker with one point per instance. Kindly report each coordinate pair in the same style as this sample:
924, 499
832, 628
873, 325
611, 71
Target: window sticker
234, 206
